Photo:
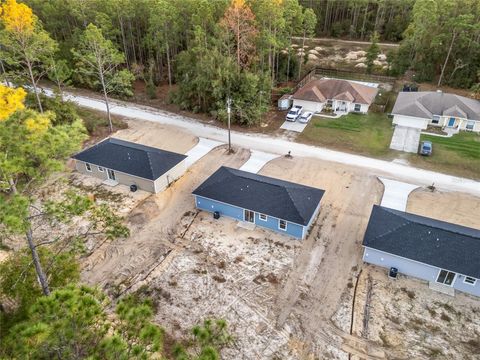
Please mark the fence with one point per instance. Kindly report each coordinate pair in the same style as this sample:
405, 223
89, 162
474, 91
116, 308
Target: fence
344, 74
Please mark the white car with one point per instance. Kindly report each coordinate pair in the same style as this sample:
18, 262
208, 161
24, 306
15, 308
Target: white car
305, 117
294, 113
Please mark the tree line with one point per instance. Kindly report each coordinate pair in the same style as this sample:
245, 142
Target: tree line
209, 51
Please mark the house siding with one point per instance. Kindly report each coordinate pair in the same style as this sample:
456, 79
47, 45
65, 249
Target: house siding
171, 175
122, 178
415, 269
236, 213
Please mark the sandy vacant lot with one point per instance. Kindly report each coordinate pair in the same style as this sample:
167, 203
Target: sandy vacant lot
283, 298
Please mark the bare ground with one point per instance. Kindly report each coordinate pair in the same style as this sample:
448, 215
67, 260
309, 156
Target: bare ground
282, 298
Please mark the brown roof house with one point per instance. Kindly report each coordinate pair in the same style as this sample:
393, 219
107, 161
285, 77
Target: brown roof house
342, 96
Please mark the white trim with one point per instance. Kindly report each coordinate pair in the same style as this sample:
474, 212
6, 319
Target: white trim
265, 216
238, 207
448, 272
286, 224
470, 283
101, 168
244, 217
418, 262
88, 167
139, 177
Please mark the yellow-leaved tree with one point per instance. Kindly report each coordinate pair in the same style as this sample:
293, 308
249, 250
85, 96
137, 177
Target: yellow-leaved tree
26, 47
11, 100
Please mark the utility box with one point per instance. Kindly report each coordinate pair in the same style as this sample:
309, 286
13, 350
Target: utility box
285, 102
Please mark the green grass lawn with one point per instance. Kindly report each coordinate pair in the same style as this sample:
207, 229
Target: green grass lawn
368, 134
459, 154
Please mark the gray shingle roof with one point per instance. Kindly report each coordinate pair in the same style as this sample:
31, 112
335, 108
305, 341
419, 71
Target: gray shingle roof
130, 158
425, 104
281, 199
434, 242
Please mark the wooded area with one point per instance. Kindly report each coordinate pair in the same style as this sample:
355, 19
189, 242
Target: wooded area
214, 50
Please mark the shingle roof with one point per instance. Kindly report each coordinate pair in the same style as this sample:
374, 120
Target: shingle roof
130, 158
322, 89
281, 199
425, 104
429, 241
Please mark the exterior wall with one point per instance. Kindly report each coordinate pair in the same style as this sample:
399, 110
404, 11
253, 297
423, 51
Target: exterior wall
236, 213
420, 123
171, 175
415, 269
459, 123
409, 121
122, 178
309, 105
363, 108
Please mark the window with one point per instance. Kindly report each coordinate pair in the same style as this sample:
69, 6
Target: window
446, 277
100, 168
88, 167
262, 217
435, 119
470, 280
282, 225
357, 107
470, 125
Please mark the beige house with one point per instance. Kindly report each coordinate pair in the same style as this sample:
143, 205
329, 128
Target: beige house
342, 96
122, 162
448, 111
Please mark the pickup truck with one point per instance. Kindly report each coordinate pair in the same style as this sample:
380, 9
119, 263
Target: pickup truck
294, 113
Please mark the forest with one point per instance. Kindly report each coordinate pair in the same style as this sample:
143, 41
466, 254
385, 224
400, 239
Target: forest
208, 51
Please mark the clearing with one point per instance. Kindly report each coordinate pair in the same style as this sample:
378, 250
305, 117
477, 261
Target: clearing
282, 298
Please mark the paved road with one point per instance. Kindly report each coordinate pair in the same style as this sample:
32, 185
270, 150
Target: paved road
281, 146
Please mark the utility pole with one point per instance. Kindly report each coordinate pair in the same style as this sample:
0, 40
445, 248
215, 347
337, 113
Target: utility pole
229, 103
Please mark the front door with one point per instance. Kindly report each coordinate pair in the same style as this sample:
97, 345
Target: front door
451, 122
249, 216
111, 174
446, 277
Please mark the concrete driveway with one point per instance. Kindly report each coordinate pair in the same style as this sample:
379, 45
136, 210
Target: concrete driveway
257, 160
295, 126
405, 139
395, 194
278, 145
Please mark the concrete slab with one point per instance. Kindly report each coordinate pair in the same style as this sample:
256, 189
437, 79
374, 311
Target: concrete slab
395, 195
405, 139
203, 147
295, 126
257, 160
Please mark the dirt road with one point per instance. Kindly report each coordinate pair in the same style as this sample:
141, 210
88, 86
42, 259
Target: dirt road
281, 146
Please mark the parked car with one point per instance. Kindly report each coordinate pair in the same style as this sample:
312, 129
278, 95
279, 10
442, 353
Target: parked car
305, 117
425, 148
294, 113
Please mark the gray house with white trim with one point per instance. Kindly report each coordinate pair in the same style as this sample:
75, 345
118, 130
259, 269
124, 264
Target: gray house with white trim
123, 162
278, 205
442, 253
436, 108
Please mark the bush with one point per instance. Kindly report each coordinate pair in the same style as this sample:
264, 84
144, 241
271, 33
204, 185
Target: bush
151, 90
65, 111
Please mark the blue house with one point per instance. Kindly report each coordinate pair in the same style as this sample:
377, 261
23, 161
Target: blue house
274, 204
436, 251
